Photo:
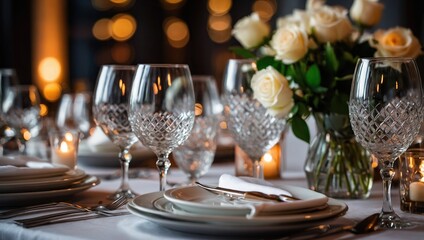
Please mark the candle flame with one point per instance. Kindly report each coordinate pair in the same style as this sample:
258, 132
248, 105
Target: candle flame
69, 137
422, 171
267, 157
64, 147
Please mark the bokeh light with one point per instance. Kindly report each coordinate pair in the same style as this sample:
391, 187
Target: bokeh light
122, 52
123, 27
52, 92
102, 29
49, 69
176, 32
265, 8
219, 7
219, 28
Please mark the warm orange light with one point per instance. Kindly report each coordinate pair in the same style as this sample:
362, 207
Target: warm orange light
219, 28
198, 109
265, 8
43, 110
219, 7
52, 91
122, 52
49, 69
123, 27
102, 29
69, 137
177, 32
26, 134
64, 147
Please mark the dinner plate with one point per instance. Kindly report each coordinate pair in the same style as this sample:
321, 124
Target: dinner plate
15, 173
28, 198
144, 206
42, 184
109, 158
221, 230
197, 200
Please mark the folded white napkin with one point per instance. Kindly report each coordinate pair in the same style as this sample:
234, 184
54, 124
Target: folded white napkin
249, 184
311, 200
25, 167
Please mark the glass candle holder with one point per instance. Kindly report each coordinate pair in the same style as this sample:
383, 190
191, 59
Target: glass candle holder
411, 166
64, 147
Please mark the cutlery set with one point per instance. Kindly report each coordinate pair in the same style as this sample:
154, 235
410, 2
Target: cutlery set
59, 212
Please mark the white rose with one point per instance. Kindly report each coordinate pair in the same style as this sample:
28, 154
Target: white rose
366, 12
250, 31
395, 42
331, 24
299, 18
272, 90
314, 4
290, 44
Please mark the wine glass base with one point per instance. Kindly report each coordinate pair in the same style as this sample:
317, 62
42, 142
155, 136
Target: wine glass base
128, 194
393, 221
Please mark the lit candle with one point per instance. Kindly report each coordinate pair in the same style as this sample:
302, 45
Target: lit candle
416, 189
65, 155
271, 162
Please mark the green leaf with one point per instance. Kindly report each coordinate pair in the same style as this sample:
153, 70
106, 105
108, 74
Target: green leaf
242, 52
313, 76
331, 58
267, 61
300, 128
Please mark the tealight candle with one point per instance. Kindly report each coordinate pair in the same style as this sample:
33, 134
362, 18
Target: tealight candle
416, 191
411, 188
64, 148
271, 162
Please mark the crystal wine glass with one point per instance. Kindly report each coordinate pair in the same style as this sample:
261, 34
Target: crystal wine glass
110, 112
195, 156
8, 78
253, 129
74, 113
22, 106
385, 110
162, 110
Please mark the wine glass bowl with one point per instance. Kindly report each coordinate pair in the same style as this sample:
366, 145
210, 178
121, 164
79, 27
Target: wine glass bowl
162, 110
8, 78
22, 107
196, 155
385, 108
110, 111
253, 128
74, 113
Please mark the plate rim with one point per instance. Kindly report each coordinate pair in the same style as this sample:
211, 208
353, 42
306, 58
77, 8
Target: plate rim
238, 220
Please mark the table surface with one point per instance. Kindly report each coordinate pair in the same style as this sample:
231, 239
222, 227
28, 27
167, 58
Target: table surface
133, 227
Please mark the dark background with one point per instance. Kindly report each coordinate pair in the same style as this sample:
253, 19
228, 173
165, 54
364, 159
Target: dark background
203, 56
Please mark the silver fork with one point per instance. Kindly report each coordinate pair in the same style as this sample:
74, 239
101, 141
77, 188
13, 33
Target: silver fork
76, 212
53, 206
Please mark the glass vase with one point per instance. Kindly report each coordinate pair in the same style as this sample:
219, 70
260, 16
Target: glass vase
337, 165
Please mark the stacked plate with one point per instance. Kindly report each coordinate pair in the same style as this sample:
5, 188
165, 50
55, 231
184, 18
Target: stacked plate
193, 209
30, 182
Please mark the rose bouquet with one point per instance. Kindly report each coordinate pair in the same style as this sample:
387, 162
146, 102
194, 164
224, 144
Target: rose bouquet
315, 51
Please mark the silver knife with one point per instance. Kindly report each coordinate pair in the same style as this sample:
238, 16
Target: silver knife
248, 195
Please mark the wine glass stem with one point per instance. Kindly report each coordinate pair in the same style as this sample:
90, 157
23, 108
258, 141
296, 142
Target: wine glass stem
163, 165
387, 172
125, 158
258, 170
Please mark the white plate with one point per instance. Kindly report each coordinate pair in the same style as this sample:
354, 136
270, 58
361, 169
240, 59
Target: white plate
15, 173
42, 184
144, 206
29, 198
109, 158
197, 200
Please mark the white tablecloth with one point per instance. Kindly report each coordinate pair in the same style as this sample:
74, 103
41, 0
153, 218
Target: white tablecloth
133, 227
